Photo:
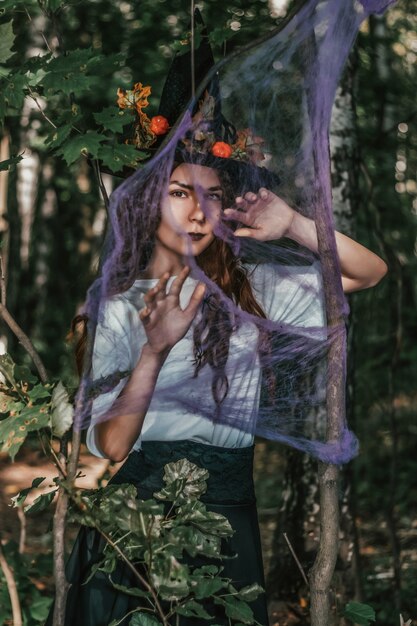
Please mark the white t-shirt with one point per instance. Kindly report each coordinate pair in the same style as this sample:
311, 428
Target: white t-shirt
182, 405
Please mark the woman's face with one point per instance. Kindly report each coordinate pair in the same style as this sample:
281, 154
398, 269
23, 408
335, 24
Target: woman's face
189, 212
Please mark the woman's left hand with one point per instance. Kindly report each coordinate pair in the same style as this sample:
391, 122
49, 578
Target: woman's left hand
264, 216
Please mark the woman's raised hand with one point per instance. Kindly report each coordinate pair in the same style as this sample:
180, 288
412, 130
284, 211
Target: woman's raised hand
263, 215
164, 321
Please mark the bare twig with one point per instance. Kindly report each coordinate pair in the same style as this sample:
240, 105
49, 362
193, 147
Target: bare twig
22, 535
142, 580
12, 588
103, 189
3, 291
37, 30
192, 49
25, 341
42, 112
300, 567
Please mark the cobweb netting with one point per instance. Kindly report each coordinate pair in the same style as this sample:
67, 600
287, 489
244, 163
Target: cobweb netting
241, 369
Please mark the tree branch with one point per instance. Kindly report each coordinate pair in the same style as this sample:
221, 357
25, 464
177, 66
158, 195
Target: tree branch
25, 341
11, 588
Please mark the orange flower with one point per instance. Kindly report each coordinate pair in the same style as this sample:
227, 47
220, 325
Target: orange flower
221, 149
159, 125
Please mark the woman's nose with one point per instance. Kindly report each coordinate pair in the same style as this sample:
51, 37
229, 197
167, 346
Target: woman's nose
196, 213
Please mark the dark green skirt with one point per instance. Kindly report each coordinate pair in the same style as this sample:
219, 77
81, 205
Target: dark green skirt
230, 492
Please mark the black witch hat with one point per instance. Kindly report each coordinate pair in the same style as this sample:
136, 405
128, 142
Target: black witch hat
212, 140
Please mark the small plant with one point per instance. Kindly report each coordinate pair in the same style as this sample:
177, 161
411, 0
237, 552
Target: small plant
155, 536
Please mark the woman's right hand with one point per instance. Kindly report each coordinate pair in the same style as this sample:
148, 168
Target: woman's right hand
164, 321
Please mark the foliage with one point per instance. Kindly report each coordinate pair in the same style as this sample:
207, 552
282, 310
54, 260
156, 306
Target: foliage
26, 405
30, 574
159, 536
359, 613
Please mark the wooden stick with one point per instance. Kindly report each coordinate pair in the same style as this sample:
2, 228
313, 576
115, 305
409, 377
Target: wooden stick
11, 588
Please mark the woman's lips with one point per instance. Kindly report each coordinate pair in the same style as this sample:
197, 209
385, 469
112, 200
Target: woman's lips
196, 236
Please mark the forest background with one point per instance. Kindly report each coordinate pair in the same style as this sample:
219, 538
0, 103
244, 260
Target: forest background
52, 221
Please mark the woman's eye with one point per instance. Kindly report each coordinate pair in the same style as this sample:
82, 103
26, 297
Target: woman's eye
178, 193
215, 196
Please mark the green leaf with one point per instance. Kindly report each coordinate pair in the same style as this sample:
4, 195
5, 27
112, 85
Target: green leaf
184, 481
39, 608
23, 373
21, 496
118, 156
12, 90
360, 613
250, 593
7, 38
113, 119
209, 522
39, 392
58, 136
81, 145
206, 587
7, 366
68, 73
8, 163
144, 619
41, 503
14, 429
236, 609
101, 65
193, 609
170, 577
130, 591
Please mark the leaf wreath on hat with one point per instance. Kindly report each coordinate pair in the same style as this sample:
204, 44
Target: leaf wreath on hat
245, 145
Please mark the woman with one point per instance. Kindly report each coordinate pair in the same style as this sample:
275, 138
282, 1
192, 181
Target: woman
165, 331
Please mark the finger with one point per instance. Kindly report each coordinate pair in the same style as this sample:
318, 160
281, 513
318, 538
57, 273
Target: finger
246, 232
240, 202
158, 292
161, 287
251, 197
179, 281
144, 315
234, 214
195, 300
263, 193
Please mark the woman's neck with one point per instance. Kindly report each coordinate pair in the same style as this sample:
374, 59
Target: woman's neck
161, 261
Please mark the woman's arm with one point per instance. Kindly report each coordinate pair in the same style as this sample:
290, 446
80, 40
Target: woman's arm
267, 217
165, 323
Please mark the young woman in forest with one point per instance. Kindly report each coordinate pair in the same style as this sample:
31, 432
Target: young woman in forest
168, 330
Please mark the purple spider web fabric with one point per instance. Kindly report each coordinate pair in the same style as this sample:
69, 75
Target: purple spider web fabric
281, 88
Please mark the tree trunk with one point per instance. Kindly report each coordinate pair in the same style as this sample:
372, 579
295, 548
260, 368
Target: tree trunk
300, 510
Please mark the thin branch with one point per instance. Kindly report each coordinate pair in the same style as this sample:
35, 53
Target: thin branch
135, 572
11, 588
192, 49
103, 189
25, 341
42, 112
295, 557
22, 535
38, 31
3, 291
